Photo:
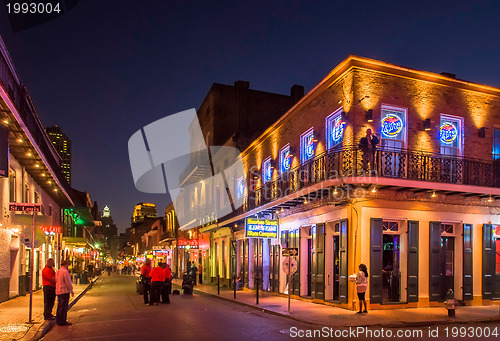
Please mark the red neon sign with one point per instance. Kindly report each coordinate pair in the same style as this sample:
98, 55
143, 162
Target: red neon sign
53, 229
193, 243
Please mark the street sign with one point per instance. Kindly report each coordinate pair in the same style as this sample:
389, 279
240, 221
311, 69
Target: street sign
291, 251
24, 207
26, 237
289, 266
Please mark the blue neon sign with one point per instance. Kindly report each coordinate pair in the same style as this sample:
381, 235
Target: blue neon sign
267, 170
285, 160
391, 125
448, 133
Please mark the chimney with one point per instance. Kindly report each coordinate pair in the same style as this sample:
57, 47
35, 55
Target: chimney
244, 85
296, 92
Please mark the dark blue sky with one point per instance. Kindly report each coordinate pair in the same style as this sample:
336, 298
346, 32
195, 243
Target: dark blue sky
107, 68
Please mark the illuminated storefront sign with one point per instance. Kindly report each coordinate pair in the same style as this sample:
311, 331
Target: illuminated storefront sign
391, 125
285, 159
51, 229
335, 129
240, 188
448, 132
188, 243
261, 228
267, 170
307, 145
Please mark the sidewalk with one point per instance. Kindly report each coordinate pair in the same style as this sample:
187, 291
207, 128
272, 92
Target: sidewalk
14, 314
324, 315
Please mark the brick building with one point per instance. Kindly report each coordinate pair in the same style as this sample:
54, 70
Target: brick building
421, 209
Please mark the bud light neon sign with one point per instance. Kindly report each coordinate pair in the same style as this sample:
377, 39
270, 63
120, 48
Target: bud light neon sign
448, 132
391, 125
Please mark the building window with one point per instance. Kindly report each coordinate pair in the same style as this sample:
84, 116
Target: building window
335, 129
390, 226
307, 145
267, 170
451, 135
37, 198
50, 210
240, 188
447, 228
393, 127
12, 185
496, 144
285, 159
26, 192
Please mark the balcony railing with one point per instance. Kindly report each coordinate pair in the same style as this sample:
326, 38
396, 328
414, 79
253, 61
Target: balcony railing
24, 106
397, 164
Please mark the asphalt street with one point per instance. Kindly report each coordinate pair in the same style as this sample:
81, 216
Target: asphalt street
112, 310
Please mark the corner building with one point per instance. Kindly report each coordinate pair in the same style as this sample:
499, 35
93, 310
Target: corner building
423, 215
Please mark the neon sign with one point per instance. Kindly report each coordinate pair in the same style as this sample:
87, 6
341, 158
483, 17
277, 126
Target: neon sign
188, 243
309, 147
391, 125
267, 171
338, 130
286, 160
448, 132
240, 188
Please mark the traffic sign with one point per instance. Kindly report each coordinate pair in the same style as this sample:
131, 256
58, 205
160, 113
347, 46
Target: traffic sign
289, 266
26, 237
291, 251
24, 207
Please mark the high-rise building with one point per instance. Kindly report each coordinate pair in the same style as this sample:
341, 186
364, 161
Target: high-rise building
108, 226
143, 210
62, 144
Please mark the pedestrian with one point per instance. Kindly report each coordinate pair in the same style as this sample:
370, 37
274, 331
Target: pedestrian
368, 145
361, 286
64, 287
194, 272
157, 278
146, 279
108, 270
165, 290
49, 289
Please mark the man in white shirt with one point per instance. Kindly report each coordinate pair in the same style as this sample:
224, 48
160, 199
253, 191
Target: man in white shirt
64, 287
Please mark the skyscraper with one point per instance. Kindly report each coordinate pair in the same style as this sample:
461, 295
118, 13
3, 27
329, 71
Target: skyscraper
142, 211
62, 145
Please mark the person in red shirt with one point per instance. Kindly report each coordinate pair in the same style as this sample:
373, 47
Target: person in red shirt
146, 279
157, 278
165, 290
49, 289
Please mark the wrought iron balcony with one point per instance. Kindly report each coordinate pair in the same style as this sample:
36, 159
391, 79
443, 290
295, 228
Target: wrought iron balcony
396, 164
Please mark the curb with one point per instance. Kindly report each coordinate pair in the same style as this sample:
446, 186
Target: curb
47, 325
386, 325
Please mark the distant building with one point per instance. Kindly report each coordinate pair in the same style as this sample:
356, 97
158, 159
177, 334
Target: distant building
143, 210
108, 226
62, 144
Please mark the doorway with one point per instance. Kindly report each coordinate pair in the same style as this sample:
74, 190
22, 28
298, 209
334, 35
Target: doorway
391, 275
336, 266
447, 265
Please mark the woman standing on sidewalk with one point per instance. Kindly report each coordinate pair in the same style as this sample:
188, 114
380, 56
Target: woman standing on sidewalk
361, 286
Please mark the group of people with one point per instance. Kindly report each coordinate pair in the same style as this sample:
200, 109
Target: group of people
125, 270
56, 284
157, 282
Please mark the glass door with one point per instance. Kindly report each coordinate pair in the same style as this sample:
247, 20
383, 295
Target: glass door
391, 274
451, 142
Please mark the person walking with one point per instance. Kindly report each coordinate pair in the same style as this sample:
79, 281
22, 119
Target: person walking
165, 290
146, 279
157, 278
361, 286
49, 289
368, 145
64, 287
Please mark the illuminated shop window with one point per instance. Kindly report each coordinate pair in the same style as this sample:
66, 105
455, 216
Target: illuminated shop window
285, 159
240, 188
393, 127
307, 142
451, 135
267, 170
335, 129
496, 144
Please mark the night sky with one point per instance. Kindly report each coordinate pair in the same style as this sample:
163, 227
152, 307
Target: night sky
108, 68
